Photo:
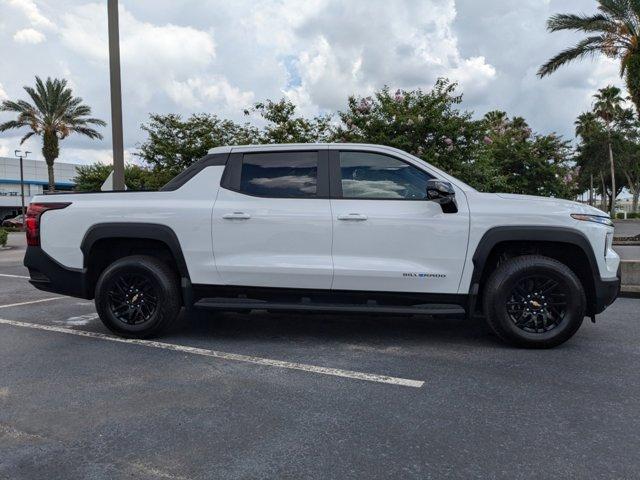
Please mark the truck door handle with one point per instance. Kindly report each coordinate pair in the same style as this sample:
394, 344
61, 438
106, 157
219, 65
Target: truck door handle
236, 216
353, 217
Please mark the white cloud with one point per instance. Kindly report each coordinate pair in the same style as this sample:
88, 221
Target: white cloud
3, 94
29, 35
84, 30
341, 48
194, 92
172, 59
30, 9
219, 57
86, 156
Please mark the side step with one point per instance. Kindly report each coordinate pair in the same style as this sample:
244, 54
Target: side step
370, 307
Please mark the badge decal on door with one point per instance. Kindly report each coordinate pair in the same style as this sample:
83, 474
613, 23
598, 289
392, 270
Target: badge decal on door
424, 275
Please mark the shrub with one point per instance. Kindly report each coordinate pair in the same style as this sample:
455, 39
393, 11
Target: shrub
3, 237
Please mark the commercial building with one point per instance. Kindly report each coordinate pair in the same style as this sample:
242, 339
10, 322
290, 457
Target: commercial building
36, 181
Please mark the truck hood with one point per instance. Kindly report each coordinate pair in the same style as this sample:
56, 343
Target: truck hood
574, 207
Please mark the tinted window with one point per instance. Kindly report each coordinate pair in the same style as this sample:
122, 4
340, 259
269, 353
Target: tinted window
371, 175
287, 174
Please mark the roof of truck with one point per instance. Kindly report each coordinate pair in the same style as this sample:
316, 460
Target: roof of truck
291, 146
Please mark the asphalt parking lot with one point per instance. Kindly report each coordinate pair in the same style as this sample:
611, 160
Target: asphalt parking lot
247, 396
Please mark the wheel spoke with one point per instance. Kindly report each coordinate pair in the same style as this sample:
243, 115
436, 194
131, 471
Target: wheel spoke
537, 303
133, 298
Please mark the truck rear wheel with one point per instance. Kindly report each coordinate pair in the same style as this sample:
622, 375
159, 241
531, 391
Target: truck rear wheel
138, 296
534, 301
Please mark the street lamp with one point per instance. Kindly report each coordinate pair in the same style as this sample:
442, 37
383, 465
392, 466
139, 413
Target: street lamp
20, 155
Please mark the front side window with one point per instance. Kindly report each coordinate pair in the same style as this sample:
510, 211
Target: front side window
280, 174
375, 176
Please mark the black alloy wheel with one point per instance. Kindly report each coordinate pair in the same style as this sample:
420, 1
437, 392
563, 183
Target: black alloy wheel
537, 303
133, 298
138, 296
534, 301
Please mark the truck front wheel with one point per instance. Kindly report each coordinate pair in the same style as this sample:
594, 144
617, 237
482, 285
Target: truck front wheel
534, 301
138, 296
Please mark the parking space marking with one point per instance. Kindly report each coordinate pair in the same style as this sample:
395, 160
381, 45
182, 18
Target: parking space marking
30, 302
370, 377
78, 321
13, 276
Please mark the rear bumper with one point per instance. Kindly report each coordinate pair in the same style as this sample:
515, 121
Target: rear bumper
606, 292
48, 275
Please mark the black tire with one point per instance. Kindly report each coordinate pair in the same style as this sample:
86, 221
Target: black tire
523, 310
138, 297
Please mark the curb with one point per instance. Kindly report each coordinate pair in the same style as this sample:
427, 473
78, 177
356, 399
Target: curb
630, 272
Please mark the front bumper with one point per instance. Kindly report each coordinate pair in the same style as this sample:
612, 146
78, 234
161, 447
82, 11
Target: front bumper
607, 290
50, 276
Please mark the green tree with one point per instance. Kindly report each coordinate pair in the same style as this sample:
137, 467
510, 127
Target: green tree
591, 163
592, 155
608, 107
613, 32
427, 124
174, 143
629, 163
90, 178
284, 126
525, 162
54, 115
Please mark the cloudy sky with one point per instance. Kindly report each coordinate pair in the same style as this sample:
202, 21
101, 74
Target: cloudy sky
219, 56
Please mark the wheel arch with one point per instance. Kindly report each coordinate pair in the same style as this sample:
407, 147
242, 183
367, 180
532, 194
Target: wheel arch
567, 245
105, 242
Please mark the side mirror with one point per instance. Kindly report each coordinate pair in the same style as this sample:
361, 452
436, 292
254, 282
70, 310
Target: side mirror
442, 193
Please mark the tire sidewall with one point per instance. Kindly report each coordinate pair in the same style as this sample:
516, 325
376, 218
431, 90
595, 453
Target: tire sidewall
164, 286
502, 286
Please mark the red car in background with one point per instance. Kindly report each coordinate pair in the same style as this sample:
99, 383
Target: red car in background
15, 222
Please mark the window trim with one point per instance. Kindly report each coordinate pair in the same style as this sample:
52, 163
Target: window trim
335, 174
231, 177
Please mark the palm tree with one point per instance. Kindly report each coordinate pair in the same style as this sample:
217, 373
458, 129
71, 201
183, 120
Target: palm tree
614, 32
586, 127
608, 108
54, 115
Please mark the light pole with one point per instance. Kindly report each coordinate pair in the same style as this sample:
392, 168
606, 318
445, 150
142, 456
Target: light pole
116, 95
20, 155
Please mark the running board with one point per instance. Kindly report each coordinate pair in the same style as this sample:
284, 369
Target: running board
371, 307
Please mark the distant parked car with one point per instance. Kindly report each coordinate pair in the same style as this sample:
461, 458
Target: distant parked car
15, 222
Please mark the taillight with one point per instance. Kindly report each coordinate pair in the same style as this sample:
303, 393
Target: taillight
32, 221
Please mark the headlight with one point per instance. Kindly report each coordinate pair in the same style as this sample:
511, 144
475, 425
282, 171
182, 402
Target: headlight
593, 218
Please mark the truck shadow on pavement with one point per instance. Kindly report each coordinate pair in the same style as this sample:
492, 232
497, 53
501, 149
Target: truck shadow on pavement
308, 327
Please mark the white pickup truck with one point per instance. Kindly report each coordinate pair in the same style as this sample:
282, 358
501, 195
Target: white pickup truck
326, 227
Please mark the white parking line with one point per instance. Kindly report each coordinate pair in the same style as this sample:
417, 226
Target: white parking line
13, 276
370, 377
29, 303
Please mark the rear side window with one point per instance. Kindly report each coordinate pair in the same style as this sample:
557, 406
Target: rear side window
280, 174
380, 177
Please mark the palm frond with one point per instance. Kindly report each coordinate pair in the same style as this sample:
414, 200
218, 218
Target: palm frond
27, 137
585, 48
89, 132
617, 9
580, 23
11, 124
37, 99
19, 107
622, 13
